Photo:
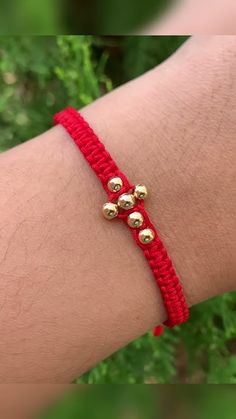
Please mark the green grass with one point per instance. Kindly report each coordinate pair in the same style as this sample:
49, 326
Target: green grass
41, 75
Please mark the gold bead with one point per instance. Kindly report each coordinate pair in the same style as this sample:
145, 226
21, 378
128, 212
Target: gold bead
140, 192
110, 210
115, 184
126, 201
146, 236
135, 219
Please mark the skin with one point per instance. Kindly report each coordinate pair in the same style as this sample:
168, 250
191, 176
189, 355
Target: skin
75, 287
26, 400
196, 17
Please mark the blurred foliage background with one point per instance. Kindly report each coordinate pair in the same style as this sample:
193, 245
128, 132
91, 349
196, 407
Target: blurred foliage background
145, 402
46, 17
39, 76
116, 17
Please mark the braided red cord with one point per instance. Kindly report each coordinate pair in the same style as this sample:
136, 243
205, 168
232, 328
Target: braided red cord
155, 253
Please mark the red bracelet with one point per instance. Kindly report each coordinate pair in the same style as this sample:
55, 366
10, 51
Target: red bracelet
126, 202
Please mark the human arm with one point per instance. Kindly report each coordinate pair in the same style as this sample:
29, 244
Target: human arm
203, 17
74, 287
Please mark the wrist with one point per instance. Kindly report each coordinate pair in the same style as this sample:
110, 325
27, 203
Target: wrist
151, 141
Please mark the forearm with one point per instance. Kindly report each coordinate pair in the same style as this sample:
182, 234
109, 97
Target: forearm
67, 299
74, 287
